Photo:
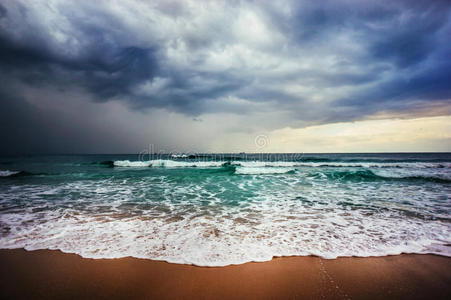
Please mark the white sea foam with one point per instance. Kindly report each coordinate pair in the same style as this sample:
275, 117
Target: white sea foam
6, 173
286, 164
225, 240
185, 164
194, 223
133, 164
179, 156
440, 174
341, 164
262, 170
168, 163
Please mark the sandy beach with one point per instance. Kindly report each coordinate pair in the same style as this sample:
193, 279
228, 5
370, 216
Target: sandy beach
48, 274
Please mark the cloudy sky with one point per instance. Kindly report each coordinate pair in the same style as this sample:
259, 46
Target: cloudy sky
214, 76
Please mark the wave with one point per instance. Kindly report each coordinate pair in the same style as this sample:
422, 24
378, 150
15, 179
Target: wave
13, 174
8, 173
161, 163
133, 164
263, 170
436, 179
262, 164
355, 172
368, 175
106, 163
341, 164
18, 174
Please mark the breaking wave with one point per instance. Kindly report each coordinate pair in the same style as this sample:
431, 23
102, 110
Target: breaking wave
263, 170
161, 163
414, 171
7, 173
260, 164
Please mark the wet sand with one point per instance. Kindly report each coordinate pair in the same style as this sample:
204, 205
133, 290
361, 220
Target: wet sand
48, 274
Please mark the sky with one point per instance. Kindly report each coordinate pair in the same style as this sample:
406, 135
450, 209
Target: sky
224, 76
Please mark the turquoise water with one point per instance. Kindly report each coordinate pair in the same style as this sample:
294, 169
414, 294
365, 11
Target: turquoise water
216, 210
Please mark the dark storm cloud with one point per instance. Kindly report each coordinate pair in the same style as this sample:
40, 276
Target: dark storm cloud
110, 65
3, 11
321, 62
409, 37
188, 91
429, 86
401, 31
410, 43
106, 70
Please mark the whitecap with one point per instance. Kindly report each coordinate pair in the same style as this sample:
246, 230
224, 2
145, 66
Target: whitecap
6, 173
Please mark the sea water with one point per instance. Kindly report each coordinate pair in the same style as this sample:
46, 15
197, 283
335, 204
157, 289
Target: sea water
221, 209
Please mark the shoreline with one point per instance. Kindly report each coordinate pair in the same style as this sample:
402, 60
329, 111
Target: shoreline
227, 265
53, 274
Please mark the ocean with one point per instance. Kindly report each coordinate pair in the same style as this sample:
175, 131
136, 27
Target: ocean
222, 209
